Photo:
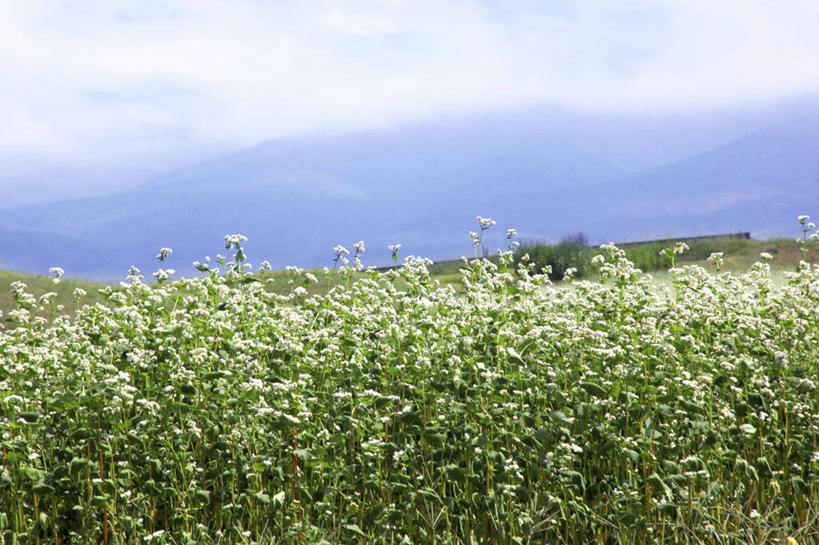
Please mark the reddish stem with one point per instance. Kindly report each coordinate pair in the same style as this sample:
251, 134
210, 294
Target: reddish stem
102, 477
296, 474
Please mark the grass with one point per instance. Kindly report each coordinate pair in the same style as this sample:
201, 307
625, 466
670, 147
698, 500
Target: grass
64, 302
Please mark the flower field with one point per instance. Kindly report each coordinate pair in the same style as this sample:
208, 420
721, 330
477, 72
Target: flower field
394, 410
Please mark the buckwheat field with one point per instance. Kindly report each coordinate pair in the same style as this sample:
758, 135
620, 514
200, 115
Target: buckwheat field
392, 409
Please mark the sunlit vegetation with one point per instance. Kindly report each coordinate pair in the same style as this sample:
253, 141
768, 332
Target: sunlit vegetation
739, 254
389, 408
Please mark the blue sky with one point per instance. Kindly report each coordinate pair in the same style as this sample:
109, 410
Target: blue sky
90, 79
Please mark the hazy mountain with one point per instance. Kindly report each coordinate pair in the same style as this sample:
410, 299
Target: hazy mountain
759, 182
37, 252
547, 173
36, 178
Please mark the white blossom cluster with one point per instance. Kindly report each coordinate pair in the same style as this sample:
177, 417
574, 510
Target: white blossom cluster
394, 409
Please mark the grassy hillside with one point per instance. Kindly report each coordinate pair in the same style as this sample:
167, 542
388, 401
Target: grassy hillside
739, 255
65, 300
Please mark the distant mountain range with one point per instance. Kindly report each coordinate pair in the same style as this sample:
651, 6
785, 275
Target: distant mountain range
545, 172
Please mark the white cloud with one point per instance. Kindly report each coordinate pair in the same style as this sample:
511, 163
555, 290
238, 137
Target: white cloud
79, 78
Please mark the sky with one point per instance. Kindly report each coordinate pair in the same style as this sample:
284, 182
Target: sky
89, 80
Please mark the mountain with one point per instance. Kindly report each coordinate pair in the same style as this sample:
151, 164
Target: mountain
546, 173
759, 182
38, 177
37, 252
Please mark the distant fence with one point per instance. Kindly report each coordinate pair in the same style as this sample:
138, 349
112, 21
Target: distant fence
740, 235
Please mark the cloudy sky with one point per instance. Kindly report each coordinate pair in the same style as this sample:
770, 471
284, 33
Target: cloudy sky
85, 79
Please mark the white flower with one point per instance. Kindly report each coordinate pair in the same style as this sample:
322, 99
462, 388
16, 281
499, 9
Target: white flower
163, 274
754, 514
163, 254
485, 223
234, 241
150, 537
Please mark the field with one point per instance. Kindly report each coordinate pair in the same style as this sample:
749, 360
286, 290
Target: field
739, 257
392, 408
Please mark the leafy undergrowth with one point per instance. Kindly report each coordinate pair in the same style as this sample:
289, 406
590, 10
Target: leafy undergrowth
395, 410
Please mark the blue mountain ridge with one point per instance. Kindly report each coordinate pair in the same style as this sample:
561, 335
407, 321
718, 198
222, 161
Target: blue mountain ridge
545, 174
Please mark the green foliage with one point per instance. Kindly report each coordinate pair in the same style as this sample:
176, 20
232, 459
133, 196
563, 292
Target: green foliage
393, 410
570, 253
574, 253
648, 256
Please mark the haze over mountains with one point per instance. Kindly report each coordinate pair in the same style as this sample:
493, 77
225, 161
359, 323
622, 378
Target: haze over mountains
545, 172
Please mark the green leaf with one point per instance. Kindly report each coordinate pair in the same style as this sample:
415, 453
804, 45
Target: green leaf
262, 498
561, 417
42, 489
188, 388
575, 478
523, 494
632, 455
514, 357
594, 389
678, 479
657, 483
79, 434
290, 420
669, 466
354, 529
203, 495
30, 416
798, 484
429, 494
669, 510
455, 473
748, 429
34, 474
77, 464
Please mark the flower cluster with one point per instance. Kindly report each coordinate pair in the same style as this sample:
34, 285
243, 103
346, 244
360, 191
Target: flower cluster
391, 409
